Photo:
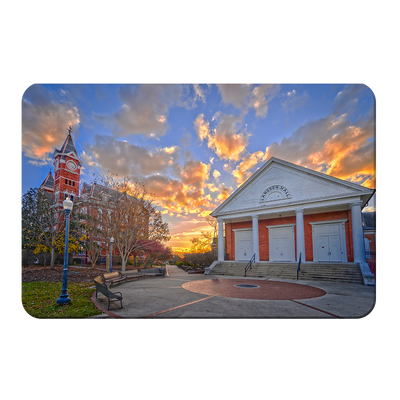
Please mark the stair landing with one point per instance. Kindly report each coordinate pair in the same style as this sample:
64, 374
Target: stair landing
330, 272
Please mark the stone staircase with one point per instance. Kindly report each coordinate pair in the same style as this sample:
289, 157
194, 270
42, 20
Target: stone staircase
328, 272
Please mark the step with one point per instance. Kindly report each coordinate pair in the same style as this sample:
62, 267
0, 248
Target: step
348, 272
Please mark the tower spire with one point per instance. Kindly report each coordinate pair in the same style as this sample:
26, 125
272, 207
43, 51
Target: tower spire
69, 129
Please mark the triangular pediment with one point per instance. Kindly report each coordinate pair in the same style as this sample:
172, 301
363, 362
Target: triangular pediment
279, 183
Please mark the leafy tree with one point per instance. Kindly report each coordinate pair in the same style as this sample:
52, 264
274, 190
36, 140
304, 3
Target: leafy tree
40, 223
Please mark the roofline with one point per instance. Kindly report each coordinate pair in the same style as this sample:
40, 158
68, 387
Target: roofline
297, 167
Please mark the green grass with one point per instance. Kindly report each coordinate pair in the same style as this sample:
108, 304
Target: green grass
40, 300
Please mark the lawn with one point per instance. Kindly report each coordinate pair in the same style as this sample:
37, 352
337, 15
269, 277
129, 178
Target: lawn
40, 300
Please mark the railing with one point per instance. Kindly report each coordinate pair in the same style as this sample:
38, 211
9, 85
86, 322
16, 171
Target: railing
298, 267
248, 266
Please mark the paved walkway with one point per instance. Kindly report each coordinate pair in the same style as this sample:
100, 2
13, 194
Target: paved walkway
183, 295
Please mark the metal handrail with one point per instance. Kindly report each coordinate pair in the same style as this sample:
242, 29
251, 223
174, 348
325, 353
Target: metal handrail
248, 266
298, 267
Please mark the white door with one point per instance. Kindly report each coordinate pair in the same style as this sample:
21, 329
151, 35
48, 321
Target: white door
335, 253
281, 244
243, 245
328, 242
323, 248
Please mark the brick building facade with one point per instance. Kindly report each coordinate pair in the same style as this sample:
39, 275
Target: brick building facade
285, 211
67, 170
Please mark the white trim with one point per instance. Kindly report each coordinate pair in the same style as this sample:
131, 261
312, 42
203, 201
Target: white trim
329, 222
353, 188
242, 229
342, 232
280, 226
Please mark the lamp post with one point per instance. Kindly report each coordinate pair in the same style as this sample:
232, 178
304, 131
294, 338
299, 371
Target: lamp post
64, 298
112, 241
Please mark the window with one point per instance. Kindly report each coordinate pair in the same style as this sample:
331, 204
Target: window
66, 181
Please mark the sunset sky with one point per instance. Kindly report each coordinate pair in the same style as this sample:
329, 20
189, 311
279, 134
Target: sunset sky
194, 144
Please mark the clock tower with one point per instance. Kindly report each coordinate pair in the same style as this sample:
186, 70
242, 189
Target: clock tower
67, 168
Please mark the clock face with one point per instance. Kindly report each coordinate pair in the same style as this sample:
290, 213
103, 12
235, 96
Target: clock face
71, 165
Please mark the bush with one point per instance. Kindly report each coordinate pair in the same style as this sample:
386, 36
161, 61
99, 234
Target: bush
28, 257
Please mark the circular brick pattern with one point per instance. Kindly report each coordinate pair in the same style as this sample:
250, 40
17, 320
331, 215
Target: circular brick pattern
267, 290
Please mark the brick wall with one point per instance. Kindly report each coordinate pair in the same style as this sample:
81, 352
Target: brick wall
264, 236
61, 175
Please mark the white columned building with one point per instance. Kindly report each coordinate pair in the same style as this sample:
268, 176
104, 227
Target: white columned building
281, 198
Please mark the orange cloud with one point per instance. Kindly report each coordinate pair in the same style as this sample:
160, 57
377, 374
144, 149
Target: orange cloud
333, 146
225, 140
244, 169
223, 193
195, 173
45, 119
349, 155
202, 127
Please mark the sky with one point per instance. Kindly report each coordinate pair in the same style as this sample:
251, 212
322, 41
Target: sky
192, 145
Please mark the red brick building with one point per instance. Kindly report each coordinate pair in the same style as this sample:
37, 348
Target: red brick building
67, 169
284, 210
66, 183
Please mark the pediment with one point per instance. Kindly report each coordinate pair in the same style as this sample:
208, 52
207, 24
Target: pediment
279, 183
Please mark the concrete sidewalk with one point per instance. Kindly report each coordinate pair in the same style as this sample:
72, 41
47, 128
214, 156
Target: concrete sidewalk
168, 298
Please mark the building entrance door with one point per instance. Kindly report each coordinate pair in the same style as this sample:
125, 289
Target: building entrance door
328, 242
281, 243
243, 245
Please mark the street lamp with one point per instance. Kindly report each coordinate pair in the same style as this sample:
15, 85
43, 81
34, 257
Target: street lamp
112, 241
64, 299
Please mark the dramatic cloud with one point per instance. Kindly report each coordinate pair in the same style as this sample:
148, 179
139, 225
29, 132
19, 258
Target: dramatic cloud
144, 111
174, 178
245, 169
261, 96
237, 95
145, 108
216, 174
334, 146
225, 140
45, 119
244, 97
195, 173
125, 159
177, 197
224, 193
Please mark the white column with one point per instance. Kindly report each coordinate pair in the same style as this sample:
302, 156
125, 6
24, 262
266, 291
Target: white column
221, 252
358, 233
256, 245
300, 241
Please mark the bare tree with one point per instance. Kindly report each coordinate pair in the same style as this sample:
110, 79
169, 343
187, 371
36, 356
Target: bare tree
91, 226
136, 223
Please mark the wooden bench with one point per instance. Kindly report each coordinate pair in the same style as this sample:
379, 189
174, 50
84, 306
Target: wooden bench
116, 296
153, 271
111, 278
